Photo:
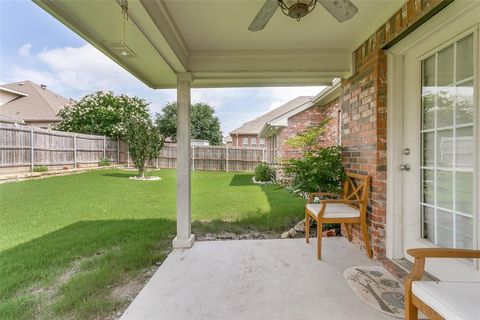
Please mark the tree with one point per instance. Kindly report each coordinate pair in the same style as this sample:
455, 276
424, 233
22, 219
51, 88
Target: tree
144, 141
205, 125
102, 113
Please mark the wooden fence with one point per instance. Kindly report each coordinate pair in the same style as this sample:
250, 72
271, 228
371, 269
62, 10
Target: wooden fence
24, 147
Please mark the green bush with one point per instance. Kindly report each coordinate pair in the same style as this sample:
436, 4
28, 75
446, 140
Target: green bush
317, 170
264, 173
104, 162
40, 169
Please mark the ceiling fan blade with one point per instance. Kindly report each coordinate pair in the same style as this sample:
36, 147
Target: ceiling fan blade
264, 15
342, 10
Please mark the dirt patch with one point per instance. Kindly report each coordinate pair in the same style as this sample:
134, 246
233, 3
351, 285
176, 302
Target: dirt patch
234, 236
127, 291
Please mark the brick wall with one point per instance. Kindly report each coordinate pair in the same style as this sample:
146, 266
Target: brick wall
363, 103
313, 116
364, 118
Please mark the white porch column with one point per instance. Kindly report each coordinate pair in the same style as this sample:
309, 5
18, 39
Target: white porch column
184, 238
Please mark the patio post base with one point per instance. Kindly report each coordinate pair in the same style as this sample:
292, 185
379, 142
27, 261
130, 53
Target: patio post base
183, 243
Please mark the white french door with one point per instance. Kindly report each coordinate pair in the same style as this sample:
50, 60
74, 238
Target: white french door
440, 156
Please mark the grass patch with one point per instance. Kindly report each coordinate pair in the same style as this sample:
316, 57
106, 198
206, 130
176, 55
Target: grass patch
67, 241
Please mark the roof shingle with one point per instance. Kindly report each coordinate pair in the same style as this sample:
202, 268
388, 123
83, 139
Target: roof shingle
41, 104
256, 125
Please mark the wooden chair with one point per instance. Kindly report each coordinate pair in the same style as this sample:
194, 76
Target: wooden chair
440, 300
352, 208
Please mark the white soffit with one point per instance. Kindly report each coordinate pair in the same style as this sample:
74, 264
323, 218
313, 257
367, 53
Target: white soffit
210, 38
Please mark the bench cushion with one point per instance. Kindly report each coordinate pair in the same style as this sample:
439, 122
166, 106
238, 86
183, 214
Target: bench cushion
334, 210
451, 300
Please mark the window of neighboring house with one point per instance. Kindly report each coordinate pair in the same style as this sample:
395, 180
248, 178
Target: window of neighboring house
245, 142
254, 142
262, 143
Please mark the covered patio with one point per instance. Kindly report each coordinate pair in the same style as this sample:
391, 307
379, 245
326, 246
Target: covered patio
207, 44
254, 279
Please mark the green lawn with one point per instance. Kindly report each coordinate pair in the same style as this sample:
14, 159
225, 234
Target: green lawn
66, 242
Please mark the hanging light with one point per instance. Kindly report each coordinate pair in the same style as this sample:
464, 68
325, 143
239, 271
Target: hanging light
297, 9
120, 47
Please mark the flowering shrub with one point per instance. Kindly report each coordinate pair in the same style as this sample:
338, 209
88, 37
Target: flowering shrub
318, 169
102, 113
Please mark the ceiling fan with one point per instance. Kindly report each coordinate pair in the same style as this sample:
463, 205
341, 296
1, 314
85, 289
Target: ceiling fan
342, 10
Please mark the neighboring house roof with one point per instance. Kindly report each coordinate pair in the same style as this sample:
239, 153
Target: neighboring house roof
325, 96
255, 126
7, 119
34, 102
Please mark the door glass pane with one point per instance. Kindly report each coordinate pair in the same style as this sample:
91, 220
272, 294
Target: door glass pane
428, 149
448, 145
428, 223
444, 228
464, 237
464, 103
445, 102
445, 189
445, 67
464, 192
428, 93
429, 75
465, 58
464, 147
445, 148
428, 187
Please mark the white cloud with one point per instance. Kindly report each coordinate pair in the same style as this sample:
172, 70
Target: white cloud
76, 71
24, 50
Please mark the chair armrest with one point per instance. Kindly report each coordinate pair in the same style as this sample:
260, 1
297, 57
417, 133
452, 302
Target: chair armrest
443, 253
341, 201
311, 195
422, 253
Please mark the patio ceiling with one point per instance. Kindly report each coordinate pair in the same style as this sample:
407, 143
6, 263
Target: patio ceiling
210, 39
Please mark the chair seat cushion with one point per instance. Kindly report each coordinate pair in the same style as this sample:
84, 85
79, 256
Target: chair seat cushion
451, 300
334, 210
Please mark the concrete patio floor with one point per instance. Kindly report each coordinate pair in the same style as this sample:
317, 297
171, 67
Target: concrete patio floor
254, 279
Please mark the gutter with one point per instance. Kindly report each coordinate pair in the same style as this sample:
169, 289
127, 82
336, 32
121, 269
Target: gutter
329, 94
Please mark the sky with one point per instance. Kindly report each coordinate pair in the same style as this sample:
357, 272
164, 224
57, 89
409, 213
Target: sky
34, 46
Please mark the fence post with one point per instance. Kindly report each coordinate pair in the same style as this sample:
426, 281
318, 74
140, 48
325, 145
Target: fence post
104, 147
226, 158
193, 158
75, 151
32, 151
118, 151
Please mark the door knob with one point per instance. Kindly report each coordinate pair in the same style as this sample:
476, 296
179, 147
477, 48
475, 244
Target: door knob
405, 167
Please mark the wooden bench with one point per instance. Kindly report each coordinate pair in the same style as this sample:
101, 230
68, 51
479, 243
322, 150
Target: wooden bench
440, 300
351, 208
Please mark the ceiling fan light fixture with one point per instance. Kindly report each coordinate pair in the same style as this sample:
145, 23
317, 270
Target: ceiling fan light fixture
297, 9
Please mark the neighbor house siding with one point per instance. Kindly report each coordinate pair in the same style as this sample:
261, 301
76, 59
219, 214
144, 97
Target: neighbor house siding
237, 140
364, 117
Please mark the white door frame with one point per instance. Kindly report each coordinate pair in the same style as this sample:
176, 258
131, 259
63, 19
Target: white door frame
458, 10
